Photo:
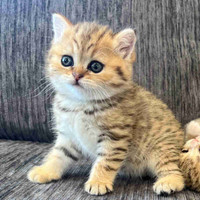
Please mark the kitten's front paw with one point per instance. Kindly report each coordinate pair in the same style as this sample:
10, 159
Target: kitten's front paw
168, 184
98, 188
42, 174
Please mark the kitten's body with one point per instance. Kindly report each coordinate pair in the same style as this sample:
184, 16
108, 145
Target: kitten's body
139, 116
105, 116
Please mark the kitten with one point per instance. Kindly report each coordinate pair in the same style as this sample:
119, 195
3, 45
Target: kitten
190, 163
190, 156
99, 112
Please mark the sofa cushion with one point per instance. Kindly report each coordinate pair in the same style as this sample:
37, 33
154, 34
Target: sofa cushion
17, 157
167, 56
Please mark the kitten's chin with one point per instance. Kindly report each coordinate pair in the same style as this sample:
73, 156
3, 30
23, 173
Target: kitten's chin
80, 92
73, 91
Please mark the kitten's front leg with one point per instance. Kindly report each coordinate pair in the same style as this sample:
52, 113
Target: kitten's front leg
56, 162
112, 153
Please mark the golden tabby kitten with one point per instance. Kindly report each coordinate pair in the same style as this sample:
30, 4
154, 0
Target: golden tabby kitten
101, 113
190, 156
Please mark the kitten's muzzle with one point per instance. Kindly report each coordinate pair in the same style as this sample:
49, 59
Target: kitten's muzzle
77, 76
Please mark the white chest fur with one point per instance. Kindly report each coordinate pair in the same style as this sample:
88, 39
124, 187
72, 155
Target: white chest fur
80, 128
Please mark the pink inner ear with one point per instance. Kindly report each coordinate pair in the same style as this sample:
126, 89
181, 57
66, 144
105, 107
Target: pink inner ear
194, 143
126, 40
126, 50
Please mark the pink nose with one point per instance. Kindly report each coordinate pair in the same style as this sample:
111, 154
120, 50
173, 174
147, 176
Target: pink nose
77, 76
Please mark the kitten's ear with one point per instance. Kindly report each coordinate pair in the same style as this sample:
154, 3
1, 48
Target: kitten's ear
60, 24
124, 43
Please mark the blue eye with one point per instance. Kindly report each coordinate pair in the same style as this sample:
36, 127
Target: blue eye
95, 66
67, 61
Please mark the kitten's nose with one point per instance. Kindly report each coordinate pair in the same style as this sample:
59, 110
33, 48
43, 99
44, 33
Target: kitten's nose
77, 76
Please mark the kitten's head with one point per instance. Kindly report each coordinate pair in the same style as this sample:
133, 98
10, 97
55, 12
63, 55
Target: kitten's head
192, 148
88, 61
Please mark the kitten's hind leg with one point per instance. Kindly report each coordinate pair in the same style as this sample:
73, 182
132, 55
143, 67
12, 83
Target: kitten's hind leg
55, 163
169, 176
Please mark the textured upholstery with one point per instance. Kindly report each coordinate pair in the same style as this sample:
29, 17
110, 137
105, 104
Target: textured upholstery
167, 55
17, 157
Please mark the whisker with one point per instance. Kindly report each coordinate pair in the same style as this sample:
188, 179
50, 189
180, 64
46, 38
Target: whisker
50, 95
42, 84
46, 87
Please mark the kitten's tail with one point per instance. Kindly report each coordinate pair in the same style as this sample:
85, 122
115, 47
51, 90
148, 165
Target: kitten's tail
192, 129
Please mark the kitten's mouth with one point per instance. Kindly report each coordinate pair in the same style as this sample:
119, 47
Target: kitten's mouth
77, 84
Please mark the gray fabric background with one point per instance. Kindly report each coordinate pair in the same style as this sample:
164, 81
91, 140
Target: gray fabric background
168, 55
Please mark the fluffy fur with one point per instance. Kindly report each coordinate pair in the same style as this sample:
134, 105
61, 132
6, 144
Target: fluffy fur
190, 156
192, 129
119, 125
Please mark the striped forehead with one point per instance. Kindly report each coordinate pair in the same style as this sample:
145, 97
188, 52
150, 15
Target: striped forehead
87, 36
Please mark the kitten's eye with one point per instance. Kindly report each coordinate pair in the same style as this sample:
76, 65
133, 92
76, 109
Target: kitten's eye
67, 61
95, 66
184, 151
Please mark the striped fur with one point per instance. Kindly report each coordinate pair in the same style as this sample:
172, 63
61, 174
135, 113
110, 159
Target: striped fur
190, 156
115, 122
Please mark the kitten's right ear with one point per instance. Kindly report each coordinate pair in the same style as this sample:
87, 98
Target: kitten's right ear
60, 24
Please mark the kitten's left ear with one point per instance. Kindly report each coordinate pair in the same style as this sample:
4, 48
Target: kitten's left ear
60, 24
124, 43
